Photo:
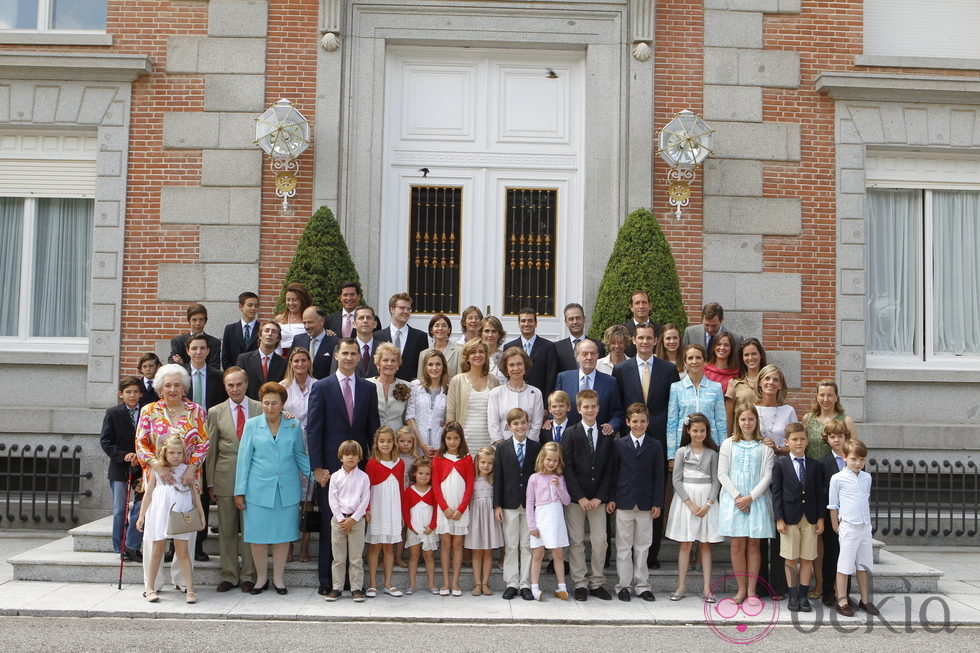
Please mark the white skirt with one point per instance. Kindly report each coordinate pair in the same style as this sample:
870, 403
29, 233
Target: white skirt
453, 489
683, 526
421, 515
550, 519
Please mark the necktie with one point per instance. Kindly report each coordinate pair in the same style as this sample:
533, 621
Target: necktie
802, 471
365, 358
314, 344
527, 348
645, 382
707, 341
133, 414
575, 344
557, 434
591, 443
239, 420
149, 385
265, 368
349, 400
248, 332
636, 443
840, 463
586, 384
198, 388
348, 324
398, 339
520, 454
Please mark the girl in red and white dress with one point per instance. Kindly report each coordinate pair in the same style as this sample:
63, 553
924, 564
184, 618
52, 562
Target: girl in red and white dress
419, 513
452, 481
386, 472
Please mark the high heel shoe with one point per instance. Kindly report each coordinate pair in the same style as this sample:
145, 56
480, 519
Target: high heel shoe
258, 590
280, 590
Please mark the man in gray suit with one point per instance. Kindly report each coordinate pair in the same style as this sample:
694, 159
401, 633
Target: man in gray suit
712, 323
225, 425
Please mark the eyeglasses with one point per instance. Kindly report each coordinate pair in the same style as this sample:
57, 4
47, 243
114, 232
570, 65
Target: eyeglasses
750, 607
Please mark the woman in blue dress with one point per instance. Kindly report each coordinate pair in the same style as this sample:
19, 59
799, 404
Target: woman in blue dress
695, 393
745, 506
271, 460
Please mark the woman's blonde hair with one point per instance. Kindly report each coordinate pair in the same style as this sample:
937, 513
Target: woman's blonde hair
407, 430
386, 348
171, 442
486, 452
376, 453
539, 461
769, 370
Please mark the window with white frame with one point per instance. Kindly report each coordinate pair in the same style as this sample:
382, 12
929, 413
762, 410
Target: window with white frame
47, 188
53, 15
912, 28
923, 273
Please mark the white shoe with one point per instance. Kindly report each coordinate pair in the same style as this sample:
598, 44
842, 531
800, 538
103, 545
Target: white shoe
371, 592
537, 594
393, 591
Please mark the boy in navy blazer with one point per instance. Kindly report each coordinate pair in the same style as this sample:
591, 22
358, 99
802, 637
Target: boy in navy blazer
798, 505
637, 499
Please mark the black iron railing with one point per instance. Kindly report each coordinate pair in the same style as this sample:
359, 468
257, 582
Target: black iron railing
925, 498
41, 483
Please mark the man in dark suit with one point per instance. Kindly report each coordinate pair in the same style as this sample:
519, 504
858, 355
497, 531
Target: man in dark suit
565, 348
243, 335
588, 467
197, 318
638, 482
367, 342
342, 324
512, 467
317, 341
657, 375
712, 323
118, 441
798, 505
640, 314
263, 364
148, 365
587, 378
409, 340
544, 360
341, 407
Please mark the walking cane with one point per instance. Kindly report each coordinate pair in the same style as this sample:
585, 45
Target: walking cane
122, 546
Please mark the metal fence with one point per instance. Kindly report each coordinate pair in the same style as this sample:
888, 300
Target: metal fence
41, 483
925, 498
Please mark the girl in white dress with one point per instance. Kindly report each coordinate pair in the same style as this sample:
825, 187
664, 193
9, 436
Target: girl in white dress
159, 499
419, 512
547, 496
693, 511
452, 481
386, 472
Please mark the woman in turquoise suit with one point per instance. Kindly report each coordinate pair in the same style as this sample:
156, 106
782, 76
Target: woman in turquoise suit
271, 459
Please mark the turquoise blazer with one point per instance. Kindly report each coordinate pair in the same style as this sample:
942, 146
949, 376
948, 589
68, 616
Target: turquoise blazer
266, 463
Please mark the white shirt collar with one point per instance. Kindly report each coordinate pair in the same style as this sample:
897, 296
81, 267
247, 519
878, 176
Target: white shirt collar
590, 375
525, 341
637, 439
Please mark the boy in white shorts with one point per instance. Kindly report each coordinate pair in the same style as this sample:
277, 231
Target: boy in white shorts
850, 515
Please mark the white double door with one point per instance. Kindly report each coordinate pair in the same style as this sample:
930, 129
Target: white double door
484, 121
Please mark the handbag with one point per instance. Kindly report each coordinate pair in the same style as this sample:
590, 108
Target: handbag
179, 523
309, 521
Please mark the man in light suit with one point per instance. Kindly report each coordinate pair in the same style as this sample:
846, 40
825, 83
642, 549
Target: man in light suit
565, 348
197, 318
317, 341
233, 342
544, 361
657, 375
263, 364
225, 425
341, 407
409, 340
610, 417
342, 324
712, 323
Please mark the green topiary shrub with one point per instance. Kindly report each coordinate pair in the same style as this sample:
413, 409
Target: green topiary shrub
322, 262
640, 260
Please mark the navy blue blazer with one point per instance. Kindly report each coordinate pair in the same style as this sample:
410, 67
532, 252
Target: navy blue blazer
638, 479
251, 362
610, 403
327, 424
267, 463
587, 476
792, 501
147, 394
118, 438
320, 368
509, 479
662, 375
233, 342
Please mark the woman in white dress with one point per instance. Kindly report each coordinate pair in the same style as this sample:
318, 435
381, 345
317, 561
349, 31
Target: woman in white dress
516, 393
297, 299
492, 334
298, 384
469, 394
426, 410
393, 393
439, 330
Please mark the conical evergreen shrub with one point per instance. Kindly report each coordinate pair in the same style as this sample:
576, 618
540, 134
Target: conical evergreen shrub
322, 262
640, 260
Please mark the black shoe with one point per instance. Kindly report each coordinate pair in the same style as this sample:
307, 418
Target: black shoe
828, 600
601, 594
225, 586
526, 594
510, 593
259, 590
247, 586
201, 556
624, 595
648, 596
581, 594
280, 590
324, 590
133, 555
794, 601
805, 603
169, 555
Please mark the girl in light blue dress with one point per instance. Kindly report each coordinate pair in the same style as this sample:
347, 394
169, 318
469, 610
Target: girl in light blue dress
744, 507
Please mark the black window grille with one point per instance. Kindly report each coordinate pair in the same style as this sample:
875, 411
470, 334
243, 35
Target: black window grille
434, 250
529, 277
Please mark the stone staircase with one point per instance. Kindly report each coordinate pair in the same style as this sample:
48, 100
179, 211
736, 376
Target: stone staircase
85, 556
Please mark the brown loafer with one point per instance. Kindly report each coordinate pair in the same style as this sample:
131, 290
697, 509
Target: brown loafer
225, 586
247, 586
869, 607
845, 609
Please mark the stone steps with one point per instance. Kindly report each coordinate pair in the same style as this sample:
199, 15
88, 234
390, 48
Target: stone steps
86, 556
